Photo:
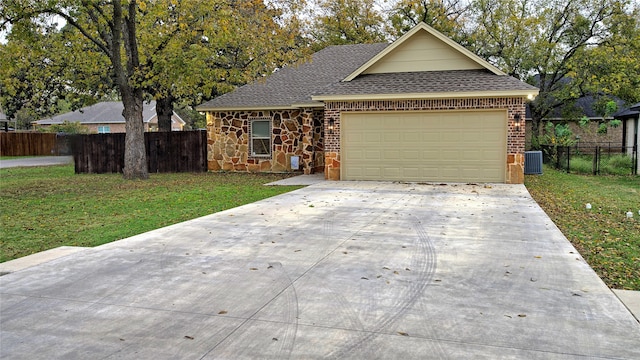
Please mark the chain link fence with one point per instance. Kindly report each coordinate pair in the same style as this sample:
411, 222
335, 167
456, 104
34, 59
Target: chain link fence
592, 159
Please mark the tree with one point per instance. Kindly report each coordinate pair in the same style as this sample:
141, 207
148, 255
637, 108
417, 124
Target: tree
540, 41
195, 51
446, 16
346, 22
613, 67
111, 26
176, 52
44, 70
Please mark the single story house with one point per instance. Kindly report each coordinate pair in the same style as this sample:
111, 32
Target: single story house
106, 117
422, 108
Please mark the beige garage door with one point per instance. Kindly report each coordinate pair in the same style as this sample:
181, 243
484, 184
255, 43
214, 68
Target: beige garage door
453, 146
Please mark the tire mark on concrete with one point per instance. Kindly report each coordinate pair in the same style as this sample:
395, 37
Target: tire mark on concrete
423, 262
290, 312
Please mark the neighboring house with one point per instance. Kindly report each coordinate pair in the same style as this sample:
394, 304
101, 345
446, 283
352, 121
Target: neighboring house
572, 113
5, 122
106, 117
422, 108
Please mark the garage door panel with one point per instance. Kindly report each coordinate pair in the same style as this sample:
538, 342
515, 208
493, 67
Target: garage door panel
415, 146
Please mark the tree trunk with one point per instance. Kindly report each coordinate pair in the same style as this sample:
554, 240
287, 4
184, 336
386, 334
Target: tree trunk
135, 155
164, 109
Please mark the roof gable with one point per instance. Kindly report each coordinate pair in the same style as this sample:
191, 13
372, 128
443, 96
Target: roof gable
423, 49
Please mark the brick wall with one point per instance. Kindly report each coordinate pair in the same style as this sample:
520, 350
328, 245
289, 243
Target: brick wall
515, 134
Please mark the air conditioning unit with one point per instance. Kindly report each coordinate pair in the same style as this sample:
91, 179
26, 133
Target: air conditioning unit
533, 162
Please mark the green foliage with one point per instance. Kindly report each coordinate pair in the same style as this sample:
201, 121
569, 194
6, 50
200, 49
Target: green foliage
619, 164
605, 108
568, 49
559, 135
347, 22
46, 70
605, 238
581, 165
446, 16
47, 207
67, 127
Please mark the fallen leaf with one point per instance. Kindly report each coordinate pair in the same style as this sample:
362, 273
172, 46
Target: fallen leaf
222, 312
253, 268
364, 278
403, 333
522, 315
188, 337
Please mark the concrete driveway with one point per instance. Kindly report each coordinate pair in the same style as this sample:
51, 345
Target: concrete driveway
359, 270
36, 161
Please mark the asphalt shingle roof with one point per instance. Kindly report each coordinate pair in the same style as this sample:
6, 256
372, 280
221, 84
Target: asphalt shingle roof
108, 112
426, 82
323, 75
296, 84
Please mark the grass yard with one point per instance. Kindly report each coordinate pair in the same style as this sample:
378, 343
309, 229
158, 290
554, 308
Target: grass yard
604, 236
47, 207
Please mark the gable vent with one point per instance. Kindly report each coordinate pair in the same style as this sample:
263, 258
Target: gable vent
533, 162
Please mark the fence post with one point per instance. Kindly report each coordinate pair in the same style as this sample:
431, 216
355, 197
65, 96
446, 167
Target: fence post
596, 161
568, 159
635, 161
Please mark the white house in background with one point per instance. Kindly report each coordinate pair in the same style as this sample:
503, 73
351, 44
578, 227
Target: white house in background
4, 122
106, 117
630, 129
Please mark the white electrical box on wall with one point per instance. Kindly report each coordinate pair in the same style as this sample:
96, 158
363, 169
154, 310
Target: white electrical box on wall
295, 162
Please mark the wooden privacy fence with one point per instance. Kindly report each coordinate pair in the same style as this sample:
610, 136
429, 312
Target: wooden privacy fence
28, 144
176, 151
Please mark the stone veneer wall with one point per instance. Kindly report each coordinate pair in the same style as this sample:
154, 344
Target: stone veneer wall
515, 136
293, 133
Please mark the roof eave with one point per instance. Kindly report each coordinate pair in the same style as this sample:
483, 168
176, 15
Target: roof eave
247, 108
530, 94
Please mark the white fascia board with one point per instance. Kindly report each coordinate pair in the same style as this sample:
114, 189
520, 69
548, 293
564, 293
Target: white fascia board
419, 96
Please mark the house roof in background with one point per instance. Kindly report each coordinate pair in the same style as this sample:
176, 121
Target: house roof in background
631, 111
107, 112
584, 105
295, 84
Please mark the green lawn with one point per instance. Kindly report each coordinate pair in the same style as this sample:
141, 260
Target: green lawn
604, 236
47, 207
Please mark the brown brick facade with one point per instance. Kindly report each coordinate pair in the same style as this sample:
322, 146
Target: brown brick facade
293, 133
515, 134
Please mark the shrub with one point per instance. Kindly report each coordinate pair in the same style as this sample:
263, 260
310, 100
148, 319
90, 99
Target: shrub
67, 127
581, 165
616, 165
